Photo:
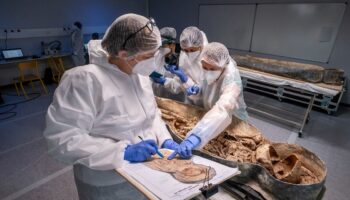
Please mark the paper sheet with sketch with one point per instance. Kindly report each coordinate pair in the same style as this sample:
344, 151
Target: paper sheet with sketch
165, 186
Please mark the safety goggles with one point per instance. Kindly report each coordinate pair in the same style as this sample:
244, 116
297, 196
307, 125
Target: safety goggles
191, 49
167, 40
149, 25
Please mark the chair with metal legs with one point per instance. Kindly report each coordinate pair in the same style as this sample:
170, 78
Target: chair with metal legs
28, 72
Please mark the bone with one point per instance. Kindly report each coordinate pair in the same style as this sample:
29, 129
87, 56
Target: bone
242, 142
266, 155
288, 169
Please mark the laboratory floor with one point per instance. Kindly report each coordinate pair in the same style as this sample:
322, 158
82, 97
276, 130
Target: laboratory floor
29, 173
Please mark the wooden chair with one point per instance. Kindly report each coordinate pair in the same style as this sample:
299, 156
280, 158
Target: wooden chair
28, 72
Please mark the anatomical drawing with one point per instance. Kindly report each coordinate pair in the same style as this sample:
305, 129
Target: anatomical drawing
183, 170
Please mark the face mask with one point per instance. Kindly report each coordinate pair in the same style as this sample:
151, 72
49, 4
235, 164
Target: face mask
211, 76
164, 51
192, 56
145, 67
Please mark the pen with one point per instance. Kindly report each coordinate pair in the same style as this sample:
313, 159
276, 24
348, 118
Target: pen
157, 151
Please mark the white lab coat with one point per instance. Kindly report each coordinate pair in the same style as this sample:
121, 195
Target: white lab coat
172, 88
96, 112
193, 70
224, 98
78, 47
205, 39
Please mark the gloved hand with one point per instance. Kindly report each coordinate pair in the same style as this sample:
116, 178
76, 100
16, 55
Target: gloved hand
141, 151
178, 72
170, 67
193, 90
171, 59
161, 80
186, 147
170, 144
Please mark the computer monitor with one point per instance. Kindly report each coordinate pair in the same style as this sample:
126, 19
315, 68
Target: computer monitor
12, 53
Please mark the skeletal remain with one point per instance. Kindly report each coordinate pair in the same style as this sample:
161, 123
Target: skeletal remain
307, 176
245, 130
288, 169
242, 142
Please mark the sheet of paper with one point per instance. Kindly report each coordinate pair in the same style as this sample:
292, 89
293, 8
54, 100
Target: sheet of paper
165, 186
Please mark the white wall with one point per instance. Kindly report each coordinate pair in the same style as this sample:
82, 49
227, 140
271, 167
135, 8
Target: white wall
35, 14
181, 13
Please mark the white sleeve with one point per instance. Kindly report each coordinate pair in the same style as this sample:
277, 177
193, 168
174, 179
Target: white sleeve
205, 39
175, 85
188, 83
182, 63
194, 97
218, 117
160, 129
69, 120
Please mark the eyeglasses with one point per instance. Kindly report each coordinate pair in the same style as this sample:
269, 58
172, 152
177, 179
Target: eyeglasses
191, 49
168, 40
149, 25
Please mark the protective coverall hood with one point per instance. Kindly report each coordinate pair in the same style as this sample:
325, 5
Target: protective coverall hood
223, 99
97, 110
98, 55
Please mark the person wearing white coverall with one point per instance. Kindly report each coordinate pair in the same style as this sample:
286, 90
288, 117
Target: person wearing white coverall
190, 72
78, 53
221, 93
100, 109
168, 85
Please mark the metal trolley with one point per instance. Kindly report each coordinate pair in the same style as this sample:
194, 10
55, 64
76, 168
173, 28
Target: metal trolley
311, 99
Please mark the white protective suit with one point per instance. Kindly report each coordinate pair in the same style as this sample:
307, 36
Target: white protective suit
96, 112
78, 47
172, 88
224, 98
195, 74
193, 70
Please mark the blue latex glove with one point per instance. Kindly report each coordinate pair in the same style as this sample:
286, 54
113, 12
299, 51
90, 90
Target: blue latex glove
161, 80
170, 67
186, 147
193, 90
141, 151
178, 72
170, 144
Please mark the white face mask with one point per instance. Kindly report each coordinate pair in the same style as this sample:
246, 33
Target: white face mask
145, 67
192, 56
164, 51
211, 76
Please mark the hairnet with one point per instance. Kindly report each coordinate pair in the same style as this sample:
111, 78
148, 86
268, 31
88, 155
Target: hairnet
127, 25
216, 54
191, 37
168, 35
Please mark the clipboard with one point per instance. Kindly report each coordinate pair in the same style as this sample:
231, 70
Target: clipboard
161, 185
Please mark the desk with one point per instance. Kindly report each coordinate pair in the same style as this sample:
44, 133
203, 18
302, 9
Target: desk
13, 63
45, 57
